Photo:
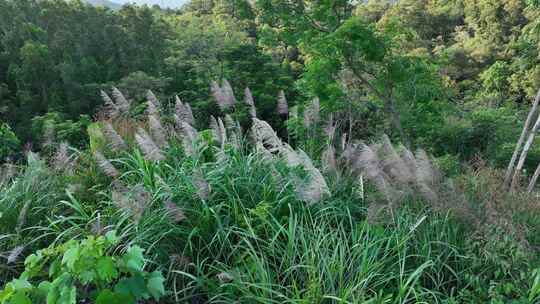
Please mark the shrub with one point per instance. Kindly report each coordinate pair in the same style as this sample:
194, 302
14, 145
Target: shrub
9, 143
83, 270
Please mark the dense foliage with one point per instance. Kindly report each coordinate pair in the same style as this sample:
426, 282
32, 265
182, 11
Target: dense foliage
270, 151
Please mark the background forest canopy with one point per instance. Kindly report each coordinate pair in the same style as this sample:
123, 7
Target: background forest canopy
270, 151
453, 76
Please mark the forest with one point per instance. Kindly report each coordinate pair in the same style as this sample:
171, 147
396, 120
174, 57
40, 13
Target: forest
270, 151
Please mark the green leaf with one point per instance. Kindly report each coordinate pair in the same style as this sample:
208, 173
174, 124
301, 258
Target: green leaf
111, 237
108, 297
68, 295
134, 259
20, 298
44, 288
155, 285
54, 269
21, 285
133, 286
70, 257
87, 276
106, 269
6, 293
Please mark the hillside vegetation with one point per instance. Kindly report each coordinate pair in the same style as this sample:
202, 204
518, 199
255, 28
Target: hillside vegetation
270, 152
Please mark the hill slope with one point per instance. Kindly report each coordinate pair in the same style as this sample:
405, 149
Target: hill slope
105, 3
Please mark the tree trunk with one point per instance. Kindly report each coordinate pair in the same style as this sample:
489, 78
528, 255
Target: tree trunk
510, 169
396, 120
534, 179
523, 156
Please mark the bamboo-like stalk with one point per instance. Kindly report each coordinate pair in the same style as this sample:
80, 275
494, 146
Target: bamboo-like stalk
524, 153
532, 183
511, 165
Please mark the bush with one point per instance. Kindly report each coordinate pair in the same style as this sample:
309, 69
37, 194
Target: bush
79, 271
9, 143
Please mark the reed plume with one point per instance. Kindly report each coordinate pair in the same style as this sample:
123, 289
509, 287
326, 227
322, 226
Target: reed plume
157, 131
105, 165
282, 105
111, 109
116, 142
121, 101
189, 137
248, 99
14, 254
227, 89
61, 160
312, 113
219, 96
149, 148
175, 213
184, 112
201, 185
134, 202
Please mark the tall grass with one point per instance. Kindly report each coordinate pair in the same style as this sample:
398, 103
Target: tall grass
222, 216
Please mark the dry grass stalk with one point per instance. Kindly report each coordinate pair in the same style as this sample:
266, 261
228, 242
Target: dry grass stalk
105, 165
121, 102
133, 202
426, 173
7, 171
116, 142
184, 112
111, 109
201, 185
328, 159
312, 113
314, 188
149, 148
151, 97
265, 135
219, 96
158, 132
49, 135
393, 164
189, 137
311, 190
343, 141
250, 102
215, 128
372, 168
21, 220
330, 129
234, 131
227, 89
175, 213
14, 254
61, 160
282, 105
151, 109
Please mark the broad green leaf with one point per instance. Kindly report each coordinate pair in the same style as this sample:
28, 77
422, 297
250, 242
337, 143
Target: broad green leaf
108, 297
20, 298
155, 285
70, 257
54, 269
21, 285
44, 288
134, 286
6, 293
68, 295
111, 237
106, 269
134, 259
88, 276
